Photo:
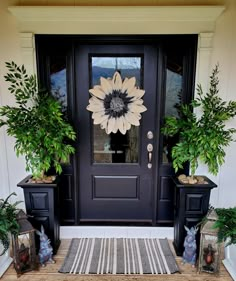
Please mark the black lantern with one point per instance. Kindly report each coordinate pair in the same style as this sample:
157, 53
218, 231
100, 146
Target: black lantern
24, 252
209, 256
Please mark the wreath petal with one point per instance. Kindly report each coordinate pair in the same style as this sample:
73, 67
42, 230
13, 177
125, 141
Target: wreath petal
97, 93
117, 81
106, 86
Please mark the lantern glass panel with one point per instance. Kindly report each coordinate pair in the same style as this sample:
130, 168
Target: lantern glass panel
209, 257
24, 245
24, 252
210, 254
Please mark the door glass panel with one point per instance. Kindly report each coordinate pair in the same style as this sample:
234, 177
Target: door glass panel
58, 80
174, 77
174, 81
115, 148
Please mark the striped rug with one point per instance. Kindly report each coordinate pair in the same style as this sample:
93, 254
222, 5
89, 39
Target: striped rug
119, 256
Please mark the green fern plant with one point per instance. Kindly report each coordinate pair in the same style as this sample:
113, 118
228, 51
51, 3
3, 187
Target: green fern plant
8, 221
42, 135
201, 138
226, 225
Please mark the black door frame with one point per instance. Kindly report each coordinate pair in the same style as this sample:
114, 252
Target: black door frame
47, 45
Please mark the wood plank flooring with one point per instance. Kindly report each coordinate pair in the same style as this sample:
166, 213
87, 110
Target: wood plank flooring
50, 273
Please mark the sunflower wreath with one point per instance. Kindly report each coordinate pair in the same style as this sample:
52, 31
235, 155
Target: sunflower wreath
116, 104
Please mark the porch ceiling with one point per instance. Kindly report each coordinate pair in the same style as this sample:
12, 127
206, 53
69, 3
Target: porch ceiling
116, 20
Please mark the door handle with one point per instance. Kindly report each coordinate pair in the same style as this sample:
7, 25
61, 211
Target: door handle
149, 157
149, 149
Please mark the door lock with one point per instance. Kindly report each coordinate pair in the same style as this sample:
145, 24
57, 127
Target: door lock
149, 147
150, 135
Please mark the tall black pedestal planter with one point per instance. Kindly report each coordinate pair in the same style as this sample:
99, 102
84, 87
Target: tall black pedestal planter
191, 203
42, 206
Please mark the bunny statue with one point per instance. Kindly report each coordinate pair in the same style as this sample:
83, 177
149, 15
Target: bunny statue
190, 246
45, 250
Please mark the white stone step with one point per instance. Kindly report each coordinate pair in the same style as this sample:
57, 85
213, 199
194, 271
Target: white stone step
67, 232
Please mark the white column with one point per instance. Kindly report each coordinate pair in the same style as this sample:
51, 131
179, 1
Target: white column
204, 54
27, 44
203, 72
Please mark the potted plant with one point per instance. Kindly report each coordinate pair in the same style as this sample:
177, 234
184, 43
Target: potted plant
44, 137
8, 221
226, 226
8, 227
201, 137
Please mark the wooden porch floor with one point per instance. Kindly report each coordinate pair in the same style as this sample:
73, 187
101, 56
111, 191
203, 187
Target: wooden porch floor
50, 272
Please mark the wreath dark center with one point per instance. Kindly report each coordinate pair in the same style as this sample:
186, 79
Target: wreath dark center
116, 103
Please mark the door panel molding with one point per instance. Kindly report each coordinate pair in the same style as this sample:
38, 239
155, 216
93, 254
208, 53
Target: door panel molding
116, 187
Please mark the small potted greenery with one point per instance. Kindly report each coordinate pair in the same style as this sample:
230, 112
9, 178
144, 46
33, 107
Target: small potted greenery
8, 222
226, 225
44, 137
202, 138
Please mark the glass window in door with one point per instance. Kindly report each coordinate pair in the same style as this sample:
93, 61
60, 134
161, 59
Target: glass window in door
115, 148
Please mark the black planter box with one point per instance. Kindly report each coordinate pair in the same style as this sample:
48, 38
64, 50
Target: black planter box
42, 206
191, 203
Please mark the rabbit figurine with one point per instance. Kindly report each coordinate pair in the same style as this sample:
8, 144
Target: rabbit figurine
45, 250
189, 255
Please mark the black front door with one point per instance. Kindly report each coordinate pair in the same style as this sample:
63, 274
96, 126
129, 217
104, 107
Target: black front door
113, 177
116, 170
